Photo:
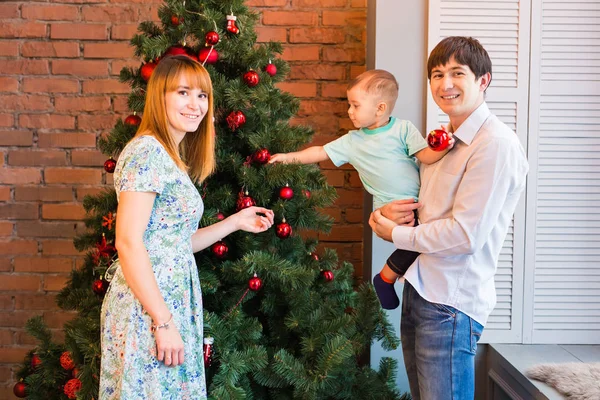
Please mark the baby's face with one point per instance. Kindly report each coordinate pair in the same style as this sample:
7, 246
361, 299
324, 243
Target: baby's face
362, 109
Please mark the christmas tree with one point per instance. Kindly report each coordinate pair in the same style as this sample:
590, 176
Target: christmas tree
282, 321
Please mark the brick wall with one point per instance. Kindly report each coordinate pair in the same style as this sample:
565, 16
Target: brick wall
59, 60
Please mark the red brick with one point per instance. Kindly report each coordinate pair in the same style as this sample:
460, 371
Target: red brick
54, 283
19, 282
337, 90
120, 105
43, 264
45, 121
344, 54
356, 70
117, 65
73, 175
149, 13
105, 86
16, 138
66, 211
57, 319
50, 49
318, 71
4, 193
266, 3
317, 35
123, 31
271, 34
43, 193
320, 3
10, 10
87, 158
89, 191
6, 338
7, 120
96, 122
24, 67
9, 49
108, 50
313, 107
333, 212
345, 18
84, 31
343, 233
37, 158
56, 247
14, 354
5, 265
19, 211
8, 84
14, 102
35, 302
353, 215
358, 3
50, 85
20, 175
289, 18
102, 13
37, 11
301, 53
335, 177
299, 89
79, 103
6, 228
22, 30
80, 67
349, 197
354, 179
67, 140
37, 229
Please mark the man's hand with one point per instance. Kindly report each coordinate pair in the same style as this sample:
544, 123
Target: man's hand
382, 226
401, 211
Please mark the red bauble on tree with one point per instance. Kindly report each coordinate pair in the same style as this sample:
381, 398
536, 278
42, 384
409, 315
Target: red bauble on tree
176, 50
20, 389
244, 201
327, 275
146, 70
72, 387
251, 78
286, 193
271, 69
306, 193
220, 249
35, 361
211, 38
438, 140
176, 21
66, 361
133, 120
235, 120
208, 55
231, 26
283, 230
261, 156
75, 372
220, 216
99, 286
255, 283
314, 256
208, 351
109, 165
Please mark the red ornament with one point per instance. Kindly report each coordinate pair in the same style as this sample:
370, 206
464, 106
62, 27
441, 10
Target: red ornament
72, 387
306, 193
208, 55
271, 69
286, 193
211, 38
314, 256
175, 20
103, 249
108, 220
35, 361
438, 140
220, 216
327, 275
283, 230
75, 372
262, 156
66, 361
251, 78
109, 165
99, 287
20, 389
146, 70
177, 50
244, 201
219, 249
235, 120
208, 351
255, 283
133, 120
231, 26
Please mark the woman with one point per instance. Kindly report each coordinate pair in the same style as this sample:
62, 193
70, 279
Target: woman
152, 312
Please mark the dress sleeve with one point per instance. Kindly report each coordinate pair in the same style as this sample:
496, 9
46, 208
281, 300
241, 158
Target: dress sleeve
138, 168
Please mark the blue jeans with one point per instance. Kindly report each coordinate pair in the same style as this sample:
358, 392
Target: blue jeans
439, 345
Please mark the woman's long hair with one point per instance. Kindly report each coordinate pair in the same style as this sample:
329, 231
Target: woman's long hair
196, 152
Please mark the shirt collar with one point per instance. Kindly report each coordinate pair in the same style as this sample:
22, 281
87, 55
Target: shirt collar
467, 130
381, 128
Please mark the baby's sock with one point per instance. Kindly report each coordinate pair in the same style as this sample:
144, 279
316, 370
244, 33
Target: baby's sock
385, 291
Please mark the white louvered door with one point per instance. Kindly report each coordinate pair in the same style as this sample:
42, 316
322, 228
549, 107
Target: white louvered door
563, 246
502, 26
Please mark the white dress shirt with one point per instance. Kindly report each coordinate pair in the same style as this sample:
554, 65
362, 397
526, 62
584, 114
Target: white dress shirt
469, 198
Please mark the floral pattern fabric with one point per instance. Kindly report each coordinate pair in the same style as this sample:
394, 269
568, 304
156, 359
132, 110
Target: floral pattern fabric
129, 367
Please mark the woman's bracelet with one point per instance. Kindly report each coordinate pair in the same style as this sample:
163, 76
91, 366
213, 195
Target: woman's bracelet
154, 328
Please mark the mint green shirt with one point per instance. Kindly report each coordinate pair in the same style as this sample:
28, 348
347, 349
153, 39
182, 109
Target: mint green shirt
384, 159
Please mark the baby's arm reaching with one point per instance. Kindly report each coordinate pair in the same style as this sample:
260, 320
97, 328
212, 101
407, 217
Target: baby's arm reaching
310, 155
429, 156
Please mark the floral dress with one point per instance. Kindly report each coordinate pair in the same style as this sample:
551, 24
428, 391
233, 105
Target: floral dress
129, 367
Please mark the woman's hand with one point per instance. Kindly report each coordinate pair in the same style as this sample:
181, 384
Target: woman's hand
249, 219
169, 345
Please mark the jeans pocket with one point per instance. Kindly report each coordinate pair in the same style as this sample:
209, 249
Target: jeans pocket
447, 310
476, 331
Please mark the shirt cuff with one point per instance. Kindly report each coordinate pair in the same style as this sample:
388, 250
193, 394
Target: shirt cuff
401, 236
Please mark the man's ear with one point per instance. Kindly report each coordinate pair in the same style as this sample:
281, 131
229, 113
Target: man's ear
485, 81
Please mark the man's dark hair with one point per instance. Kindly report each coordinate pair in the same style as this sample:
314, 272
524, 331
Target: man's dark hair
465, 50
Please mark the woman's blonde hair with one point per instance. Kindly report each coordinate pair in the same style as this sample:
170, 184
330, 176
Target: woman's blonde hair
196, 152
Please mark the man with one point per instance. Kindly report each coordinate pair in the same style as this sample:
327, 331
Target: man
467, 200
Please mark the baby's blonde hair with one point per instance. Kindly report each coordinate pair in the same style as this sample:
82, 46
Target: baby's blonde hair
379, 83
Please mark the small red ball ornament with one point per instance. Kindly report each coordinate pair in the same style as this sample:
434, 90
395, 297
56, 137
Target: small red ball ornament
327, 275
255, 283
220, 216
20, 389
438, 140
35, 361
66, 361
306, 193
235, 120
251, 78
283, 230
176, 51
208, 351
208, 55
286, 193
231, 26
314, 256
211, 38
176, 21
244, 201
99, 286
133, 120
271, 69
75, 372
261, 156
219, 249
72, 387
109, 165
146, 70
